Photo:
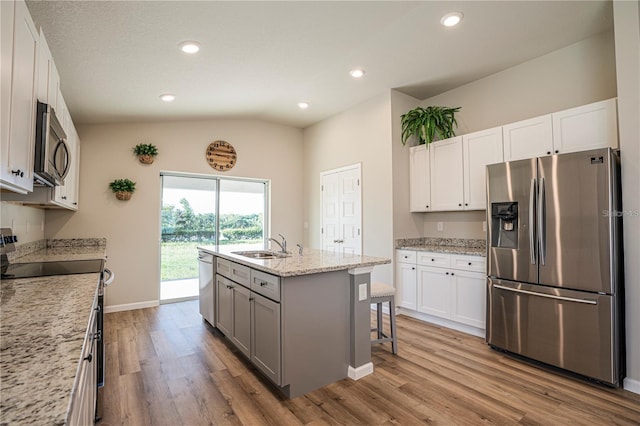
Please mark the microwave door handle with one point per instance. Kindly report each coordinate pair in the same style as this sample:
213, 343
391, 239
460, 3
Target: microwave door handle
542, 223
67, 155
532, 222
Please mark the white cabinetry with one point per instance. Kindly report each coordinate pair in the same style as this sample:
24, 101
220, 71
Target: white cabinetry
528, 138
406, 274
586, 127
419, 184
479, 149
446, 174
83, 400
582, 128
48, 78
18, 127
448, 287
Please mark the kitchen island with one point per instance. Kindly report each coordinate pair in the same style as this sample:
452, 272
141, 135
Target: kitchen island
302, 320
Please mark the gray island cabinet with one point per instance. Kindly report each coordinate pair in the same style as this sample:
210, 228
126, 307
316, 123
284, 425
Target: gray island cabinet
303, 320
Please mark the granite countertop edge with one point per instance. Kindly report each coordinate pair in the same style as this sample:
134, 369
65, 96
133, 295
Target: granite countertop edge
311, 262
468, 251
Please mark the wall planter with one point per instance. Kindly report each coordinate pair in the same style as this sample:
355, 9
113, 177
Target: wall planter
145, 152
123, 188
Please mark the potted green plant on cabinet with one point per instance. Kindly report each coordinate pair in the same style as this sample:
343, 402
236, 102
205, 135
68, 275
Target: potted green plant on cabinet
145, 152
123, 188
427, 123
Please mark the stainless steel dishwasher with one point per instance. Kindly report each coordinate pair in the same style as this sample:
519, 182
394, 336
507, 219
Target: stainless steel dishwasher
206, 286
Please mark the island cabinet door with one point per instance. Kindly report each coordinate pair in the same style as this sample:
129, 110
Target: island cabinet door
224, 294
241, 312
265, 336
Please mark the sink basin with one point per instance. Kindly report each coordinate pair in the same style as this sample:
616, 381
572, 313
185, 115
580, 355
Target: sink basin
261, 254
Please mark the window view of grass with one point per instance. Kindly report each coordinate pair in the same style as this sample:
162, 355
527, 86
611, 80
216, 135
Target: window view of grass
183, 230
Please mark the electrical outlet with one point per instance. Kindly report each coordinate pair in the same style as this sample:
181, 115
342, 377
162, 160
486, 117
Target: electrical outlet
440, 226
27, 230
484, 226
362, 290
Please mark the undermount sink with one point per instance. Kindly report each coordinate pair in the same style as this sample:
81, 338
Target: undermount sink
261, 254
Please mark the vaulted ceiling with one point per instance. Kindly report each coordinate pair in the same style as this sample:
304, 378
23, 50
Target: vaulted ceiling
259, 59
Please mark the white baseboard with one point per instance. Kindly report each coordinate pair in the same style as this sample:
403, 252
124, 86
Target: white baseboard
131, 306
359, 372
631, 385
474, 331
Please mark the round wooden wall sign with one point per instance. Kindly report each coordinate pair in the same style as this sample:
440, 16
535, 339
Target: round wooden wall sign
221, 155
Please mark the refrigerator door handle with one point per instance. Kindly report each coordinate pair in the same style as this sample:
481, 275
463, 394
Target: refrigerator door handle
548, 296
542, 223
532, 239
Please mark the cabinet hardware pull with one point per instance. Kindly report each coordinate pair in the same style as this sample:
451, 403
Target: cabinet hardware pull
557, 151
89, 357
459, 205
469, 263
64, 197
433, 260
452, 274
413, 269
447, 273
262, 284
548, 152
18, 173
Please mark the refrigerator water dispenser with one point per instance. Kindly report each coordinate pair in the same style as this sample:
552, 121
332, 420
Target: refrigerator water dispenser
504, 225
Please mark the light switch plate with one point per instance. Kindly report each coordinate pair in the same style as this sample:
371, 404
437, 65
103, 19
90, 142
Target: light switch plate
484, 225
362, 290
440, 226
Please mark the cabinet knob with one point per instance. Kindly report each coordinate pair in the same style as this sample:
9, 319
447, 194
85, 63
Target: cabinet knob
88, 357
466, 204
556, 151
433, 260
75, 204
427, 206
459, 205
413, 269
64, 197
262, 284
452, 274
447, 273
469, 263
18, 173
251, 298
548, 152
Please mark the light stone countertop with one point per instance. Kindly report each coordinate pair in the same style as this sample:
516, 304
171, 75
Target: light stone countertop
311, 262
52, 254
470, 251
43, 322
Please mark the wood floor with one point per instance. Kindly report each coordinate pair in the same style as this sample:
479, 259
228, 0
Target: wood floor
165, 366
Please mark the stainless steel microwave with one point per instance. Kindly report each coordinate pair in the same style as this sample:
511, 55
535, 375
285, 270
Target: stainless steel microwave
52, 155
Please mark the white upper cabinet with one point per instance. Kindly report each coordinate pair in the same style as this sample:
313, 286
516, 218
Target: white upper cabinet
16, 165
586, 127
419, 186
48, 78
528, 138
446, 174
479, 150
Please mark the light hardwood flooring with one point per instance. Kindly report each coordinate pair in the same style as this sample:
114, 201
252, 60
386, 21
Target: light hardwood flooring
165, 366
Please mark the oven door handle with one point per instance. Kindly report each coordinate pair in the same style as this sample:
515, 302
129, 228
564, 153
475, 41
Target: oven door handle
111, 277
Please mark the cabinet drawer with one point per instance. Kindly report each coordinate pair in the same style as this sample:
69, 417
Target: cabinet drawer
265, 284
223, 267
468, 263
406, 256
240, 274
440, 260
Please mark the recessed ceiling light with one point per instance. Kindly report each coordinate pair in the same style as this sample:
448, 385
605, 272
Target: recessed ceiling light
356, 73
451, 19
303, 105
190, 47
168, 97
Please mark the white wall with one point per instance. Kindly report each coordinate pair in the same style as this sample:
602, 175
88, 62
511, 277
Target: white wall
27, 223
627, 34
132, 228
578, 74
359, 135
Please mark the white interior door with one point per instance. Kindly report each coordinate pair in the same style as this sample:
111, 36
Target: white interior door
342, 210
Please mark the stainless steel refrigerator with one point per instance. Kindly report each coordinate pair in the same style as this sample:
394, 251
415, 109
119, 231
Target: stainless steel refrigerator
554, 262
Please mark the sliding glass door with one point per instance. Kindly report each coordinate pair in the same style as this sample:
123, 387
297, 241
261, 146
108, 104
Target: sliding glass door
205, 210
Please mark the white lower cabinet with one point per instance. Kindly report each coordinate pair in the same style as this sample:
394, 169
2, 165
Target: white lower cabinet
447, 286
249, 317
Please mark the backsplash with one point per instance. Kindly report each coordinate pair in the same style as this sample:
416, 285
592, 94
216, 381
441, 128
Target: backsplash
23, 250
434, 241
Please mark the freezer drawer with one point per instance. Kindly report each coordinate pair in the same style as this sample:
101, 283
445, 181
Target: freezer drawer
569, 329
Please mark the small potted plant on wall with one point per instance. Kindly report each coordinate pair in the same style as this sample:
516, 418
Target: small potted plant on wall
427, 123
145, 152
123, 188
